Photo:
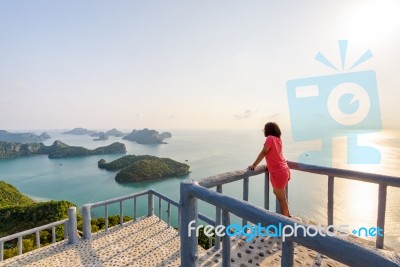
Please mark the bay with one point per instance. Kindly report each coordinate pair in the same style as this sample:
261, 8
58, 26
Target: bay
208, 153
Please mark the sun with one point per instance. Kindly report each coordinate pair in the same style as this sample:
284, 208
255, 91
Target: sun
373, 22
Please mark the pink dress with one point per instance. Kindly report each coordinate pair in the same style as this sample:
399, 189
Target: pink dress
278, 169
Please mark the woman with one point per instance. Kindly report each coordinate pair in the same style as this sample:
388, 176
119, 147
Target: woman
278, 169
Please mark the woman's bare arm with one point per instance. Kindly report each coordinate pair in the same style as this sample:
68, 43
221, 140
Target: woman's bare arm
260, 157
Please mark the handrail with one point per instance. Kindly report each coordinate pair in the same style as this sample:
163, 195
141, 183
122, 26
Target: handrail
347, 174
382, 180
70, 231
33, 230
86, 209
117, 199
229, 177
335, 248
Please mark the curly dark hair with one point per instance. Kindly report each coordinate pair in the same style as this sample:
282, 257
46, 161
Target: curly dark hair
271, 128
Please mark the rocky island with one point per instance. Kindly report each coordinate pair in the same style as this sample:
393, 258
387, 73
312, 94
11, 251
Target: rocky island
57, 150
22, 137
115, 132
75, 151
139, 168
147, 136
101, 136
79, 131
83, 131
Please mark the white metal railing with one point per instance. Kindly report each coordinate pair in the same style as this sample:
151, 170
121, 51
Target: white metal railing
331, 246
70, 232
87, 208
382, 180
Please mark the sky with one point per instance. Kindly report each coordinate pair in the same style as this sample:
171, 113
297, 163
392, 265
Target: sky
183, 64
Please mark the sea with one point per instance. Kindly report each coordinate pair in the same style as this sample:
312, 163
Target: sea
212, 152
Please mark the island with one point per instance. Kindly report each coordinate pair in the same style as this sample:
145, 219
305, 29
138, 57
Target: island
80, 131
57, 150
101, 136
22, 137
115, 132
75, 151
147, 136
139, 168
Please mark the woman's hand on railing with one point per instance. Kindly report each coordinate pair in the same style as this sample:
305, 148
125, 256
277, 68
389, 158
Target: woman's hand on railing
252, 167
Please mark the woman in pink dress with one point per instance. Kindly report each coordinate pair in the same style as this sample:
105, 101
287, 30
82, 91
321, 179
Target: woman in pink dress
278, 169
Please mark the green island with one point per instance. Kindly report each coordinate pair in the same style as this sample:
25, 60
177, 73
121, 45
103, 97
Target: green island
138, 168
57, 150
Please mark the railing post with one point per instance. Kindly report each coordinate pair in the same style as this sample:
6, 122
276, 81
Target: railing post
381, 215
106, 217
53, 234
218, 220
134, 208
245, 194
37, 234
226, 241
72, 226
20, 245
86, 222
121, 214
1, 251
266, 190
179, 220
159, 209
169, 214
65, 231
331, 181
188, 225
150, 205
287, 253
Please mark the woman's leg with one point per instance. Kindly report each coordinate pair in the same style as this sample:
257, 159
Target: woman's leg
281, 195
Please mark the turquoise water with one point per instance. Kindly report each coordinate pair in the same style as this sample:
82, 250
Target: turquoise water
79, 180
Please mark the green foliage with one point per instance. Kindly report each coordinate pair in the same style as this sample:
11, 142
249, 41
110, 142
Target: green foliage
9, 196
17, 218
19, 213
100, 224
203, 240
14, 219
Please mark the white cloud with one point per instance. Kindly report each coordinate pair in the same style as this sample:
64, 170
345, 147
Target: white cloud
246, 114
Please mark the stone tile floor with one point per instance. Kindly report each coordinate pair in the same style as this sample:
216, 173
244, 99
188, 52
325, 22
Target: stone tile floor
265, 252
146, 242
